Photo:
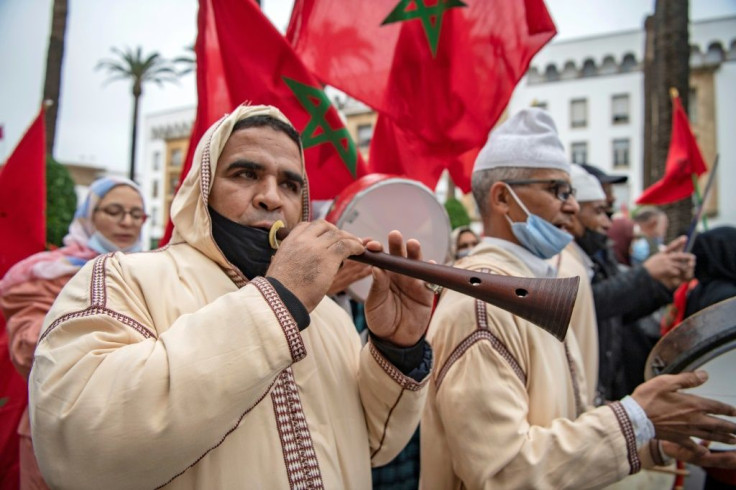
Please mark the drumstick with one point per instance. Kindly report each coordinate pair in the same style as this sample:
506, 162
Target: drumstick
547, 303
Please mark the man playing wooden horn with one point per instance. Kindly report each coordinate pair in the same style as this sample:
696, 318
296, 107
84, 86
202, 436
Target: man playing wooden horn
215, 363
508, 405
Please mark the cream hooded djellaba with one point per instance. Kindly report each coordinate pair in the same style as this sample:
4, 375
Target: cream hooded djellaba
169, 369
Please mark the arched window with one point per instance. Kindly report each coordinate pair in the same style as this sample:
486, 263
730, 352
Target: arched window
628, 64
551, 73
714, 55
589, 69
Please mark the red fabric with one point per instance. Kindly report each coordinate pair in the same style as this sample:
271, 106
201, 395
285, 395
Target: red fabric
683, 160
242, 57
13, 401
23, 198
22, 233
437, 105
675, 313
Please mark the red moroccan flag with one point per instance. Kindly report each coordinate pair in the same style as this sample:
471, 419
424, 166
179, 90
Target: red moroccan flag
23, 198
683, 160
242, 57
441, 71
22, 233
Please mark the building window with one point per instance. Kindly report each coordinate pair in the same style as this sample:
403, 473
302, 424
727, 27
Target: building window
621, 153
620, 109
579, 113
176, 158
579, 152
156, 160
154, 216
173, 183
365, 134
154, 189
541, 105
692, 105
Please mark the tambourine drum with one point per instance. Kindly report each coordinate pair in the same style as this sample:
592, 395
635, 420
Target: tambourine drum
707, 341
375, 204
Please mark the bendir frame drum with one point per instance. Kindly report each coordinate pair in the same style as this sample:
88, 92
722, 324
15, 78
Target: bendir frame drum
704, 341
375, 204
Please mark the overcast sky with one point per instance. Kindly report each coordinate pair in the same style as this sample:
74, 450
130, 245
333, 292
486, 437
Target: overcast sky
94, 120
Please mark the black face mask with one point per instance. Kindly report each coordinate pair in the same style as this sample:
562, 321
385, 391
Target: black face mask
245, 247
592, 242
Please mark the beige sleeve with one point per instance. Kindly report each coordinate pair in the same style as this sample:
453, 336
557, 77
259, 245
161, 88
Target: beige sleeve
25, 306
111, 401
492, 444
393, 404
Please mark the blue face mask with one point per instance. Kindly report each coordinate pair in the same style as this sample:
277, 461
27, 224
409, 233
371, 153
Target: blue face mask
99, 243
538, 235
639, 251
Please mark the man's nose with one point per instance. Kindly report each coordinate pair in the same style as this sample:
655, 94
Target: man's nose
267, 196
571, 205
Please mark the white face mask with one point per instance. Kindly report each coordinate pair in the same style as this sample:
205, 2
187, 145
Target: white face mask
538, 235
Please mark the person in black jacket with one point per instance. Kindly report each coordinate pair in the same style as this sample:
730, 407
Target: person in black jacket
715, 251
621, 295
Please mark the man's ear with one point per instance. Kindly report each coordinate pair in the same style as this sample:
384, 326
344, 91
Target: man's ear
499, 198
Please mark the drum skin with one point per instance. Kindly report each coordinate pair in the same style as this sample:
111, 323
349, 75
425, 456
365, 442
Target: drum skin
375, 204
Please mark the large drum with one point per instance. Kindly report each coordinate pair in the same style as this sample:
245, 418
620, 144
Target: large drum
707, 341
375, 204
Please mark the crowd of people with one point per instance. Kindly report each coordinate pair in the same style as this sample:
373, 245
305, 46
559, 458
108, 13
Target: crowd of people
218, 361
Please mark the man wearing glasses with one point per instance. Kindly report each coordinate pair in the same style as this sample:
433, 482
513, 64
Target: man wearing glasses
508, 405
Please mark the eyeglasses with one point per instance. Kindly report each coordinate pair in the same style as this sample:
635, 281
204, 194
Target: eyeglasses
116, 211
561, 189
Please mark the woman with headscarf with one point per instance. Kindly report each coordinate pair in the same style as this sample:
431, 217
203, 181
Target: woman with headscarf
462, 241
109, 219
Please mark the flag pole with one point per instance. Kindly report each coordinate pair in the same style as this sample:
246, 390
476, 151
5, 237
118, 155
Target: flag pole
692, 230
699, 199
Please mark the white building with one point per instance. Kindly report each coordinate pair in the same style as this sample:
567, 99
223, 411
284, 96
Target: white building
166, 144
594, 89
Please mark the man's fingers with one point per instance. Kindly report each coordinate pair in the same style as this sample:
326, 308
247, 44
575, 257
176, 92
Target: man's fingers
676, 245
396, 245
724, 459
413, 249
686, 380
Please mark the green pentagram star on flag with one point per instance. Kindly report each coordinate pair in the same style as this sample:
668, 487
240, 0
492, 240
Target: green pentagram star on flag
316, 103
431, 17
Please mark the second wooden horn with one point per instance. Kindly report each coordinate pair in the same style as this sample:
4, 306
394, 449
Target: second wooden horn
547, 303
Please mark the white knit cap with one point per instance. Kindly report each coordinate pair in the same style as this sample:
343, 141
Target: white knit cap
587, 186
528, 139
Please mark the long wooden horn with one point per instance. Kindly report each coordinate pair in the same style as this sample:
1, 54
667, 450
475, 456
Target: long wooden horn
547, 303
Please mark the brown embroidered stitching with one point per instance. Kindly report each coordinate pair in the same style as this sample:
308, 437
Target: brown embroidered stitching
99, 310
628, 431
221, 440
468, 342
98, 293
401, 379
287, 322
575, 386
300, 458
385, 425
481, 313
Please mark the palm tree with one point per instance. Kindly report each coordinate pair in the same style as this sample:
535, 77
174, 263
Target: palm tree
188, 61
132, 65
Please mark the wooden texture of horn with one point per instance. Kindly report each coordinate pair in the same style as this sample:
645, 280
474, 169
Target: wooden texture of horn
547, 303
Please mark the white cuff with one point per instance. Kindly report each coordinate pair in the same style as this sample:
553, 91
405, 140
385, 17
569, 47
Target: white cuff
643, 427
